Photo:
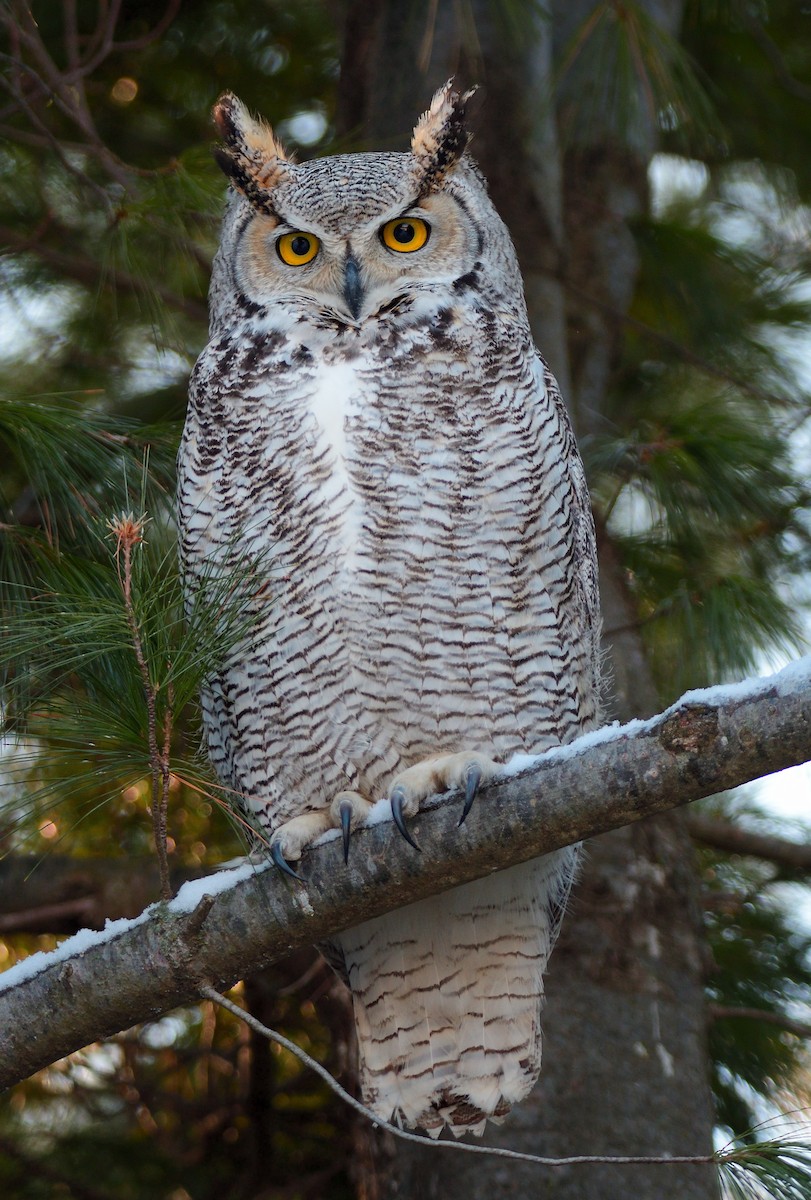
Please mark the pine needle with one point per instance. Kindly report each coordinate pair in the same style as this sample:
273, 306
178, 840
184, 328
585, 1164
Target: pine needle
103, 656
777, 1169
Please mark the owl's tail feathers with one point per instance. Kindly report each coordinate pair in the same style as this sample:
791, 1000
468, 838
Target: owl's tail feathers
469, 1109
448, 995
461, 1096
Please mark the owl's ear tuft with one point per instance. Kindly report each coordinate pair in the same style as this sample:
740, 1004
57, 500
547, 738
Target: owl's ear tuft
251, 156
440, 137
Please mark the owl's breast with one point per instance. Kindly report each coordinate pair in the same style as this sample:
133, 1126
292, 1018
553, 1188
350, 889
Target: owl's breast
411, 492
393, 413
458, 552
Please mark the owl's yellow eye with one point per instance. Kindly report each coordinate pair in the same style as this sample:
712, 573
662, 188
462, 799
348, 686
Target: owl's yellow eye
405, 234
297, 248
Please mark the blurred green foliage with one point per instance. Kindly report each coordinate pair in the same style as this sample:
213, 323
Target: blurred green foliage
758, 926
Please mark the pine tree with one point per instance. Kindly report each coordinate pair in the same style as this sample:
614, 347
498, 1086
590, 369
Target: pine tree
670, 320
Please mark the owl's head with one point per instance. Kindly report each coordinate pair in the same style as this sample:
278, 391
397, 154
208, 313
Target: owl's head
354, 232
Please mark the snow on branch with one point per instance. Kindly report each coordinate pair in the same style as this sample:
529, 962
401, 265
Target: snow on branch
224, 926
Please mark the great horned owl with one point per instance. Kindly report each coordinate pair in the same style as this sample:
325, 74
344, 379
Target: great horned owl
372, 421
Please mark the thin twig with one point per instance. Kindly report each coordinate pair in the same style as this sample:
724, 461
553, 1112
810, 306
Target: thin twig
772, 51
465, 1147
52, 141
65, 89
146, 39
160, 818
129, 532
71, 33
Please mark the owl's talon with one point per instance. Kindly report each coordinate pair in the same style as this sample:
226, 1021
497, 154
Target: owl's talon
473, 778
345, 813
397, 799
281, 862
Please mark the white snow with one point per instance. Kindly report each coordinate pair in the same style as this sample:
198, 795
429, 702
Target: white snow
381, 811
329, 836
70, 948
785, 681
186, 900
607, 733
193, 891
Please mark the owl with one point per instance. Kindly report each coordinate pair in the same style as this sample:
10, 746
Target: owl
371, 422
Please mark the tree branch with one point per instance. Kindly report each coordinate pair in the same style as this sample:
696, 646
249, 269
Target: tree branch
723, 835
95, 985
723, 1012
87, 273
58, 893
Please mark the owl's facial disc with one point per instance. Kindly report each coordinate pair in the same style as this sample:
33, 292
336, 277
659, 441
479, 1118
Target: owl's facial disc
355, 259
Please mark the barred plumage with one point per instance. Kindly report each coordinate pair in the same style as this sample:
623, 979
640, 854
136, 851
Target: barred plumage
378, 427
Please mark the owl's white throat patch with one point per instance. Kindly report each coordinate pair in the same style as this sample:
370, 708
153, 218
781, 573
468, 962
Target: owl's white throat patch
336, 386
336, 391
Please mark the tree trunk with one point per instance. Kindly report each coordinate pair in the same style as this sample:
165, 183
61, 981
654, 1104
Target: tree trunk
625, 1062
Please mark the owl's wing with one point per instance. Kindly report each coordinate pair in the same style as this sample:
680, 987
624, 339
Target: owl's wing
209, 524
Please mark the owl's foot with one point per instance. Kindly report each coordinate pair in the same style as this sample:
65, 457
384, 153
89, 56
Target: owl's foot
291, 838
347, 811
468, 770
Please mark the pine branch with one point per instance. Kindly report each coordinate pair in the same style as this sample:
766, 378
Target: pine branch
235, 923
90, 274
129, 533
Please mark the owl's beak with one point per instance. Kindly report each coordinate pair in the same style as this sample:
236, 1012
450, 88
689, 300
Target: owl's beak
353, 288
